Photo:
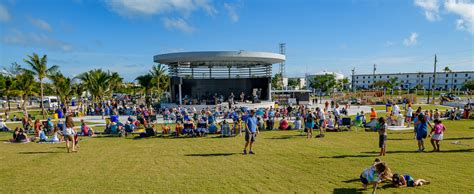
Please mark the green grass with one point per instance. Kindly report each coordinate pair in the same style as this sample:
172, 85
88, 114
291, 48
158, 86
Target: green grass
285, 162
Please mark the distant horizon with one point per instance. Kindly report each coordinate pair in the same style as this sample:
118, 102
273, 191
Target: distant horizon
336, 36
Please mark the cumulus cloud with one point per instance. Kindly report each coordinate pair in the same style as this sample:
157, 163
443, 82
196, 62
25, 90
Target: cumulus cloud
430, 7
178, 24
4, 14
41, 24
465, 10
232, 11
412, 40
133, 8
16, 37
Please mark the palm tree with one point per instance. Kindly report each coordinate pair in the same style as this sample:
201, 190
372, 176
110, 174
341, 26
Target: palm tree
63, 87
448, 70
146, 81
11, 72
100, 83
25, 86
160, 79
40, 69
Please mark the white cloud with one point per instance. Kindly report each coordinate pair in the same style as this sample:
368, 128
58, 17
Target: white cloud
177, 23
16, 37
412, 40
465, 10
232, 11
131, 8
431, 8
4, 14
41, 24
389, 43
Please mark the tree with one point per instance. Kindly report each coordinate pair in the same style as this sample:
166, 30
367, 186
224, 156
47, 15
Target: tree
40, 69
63, 87
11, 71
324, 82
393, 82
146, 81
448, 70
25, 86
293, 83
277, 82
469, 84
160, 79
99, 83
380, 84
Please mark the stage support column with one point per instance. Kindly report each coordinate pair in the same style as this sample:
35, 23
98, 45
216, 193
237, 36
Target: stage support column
179, 93
270, 91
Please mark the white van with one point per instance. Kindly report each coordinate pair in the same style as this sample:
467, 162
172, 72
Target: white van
50, 102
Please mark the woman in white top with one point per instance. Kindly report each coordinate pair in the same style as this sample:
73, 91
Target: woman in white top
409, 115
69, 133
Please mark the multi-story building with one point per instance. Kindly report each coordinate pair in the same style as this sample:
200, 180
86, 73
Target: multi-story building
444, 80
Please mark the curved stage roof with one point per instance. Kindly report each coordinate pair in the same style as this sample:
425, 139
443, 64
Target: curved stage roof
219, 58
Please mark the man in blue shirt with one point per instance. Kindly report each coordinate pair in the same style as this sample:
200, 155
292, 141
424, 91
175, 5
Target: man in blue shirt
251, 131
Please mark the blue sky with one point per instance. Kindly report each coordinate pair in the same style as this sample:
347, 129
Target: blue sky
331, 35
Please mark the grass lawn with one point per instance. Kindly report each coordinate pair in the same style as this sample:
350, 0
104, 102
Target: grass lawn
285, 162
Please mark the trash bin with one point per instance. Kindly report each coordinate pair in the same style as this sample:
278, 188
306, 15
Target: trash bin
388, 108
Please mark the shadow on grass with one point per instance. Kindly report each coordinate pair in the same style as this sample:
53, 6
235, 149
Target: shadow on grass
459, 138
346, 190
350, 156
106, 136
48, 152
283, 137
405, 151
400, 139
352, 180
212, 154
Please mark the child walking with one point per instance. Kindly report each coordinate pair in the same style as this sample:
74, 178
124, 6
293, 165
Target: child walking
438, 131
382, 136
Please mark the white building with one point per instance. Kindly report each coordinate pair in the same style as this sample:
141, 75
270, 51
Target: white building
444, 80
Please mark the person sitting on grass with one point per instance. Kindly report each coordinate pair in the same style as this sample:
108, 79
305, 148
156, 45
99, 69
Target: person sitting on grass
189, 128
201, 127
373, 175
284, 124
438, 131
85, 129
56, 136
407, 181
15, 134
373, 114
42, 136
3, 126
297, 123
21, 137
225, 129
238, 126
165, 129
178, 128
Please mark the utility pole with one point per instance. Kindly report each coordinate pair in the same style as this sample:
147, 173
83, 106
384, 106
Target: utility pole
373, 78
434, 81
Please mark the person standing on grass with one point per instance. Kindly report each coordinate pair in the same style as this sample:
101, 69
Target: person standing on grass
438, 131
321, 117
421, 127
382, 136
309, 123
69, 134
251, 131
409, 115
